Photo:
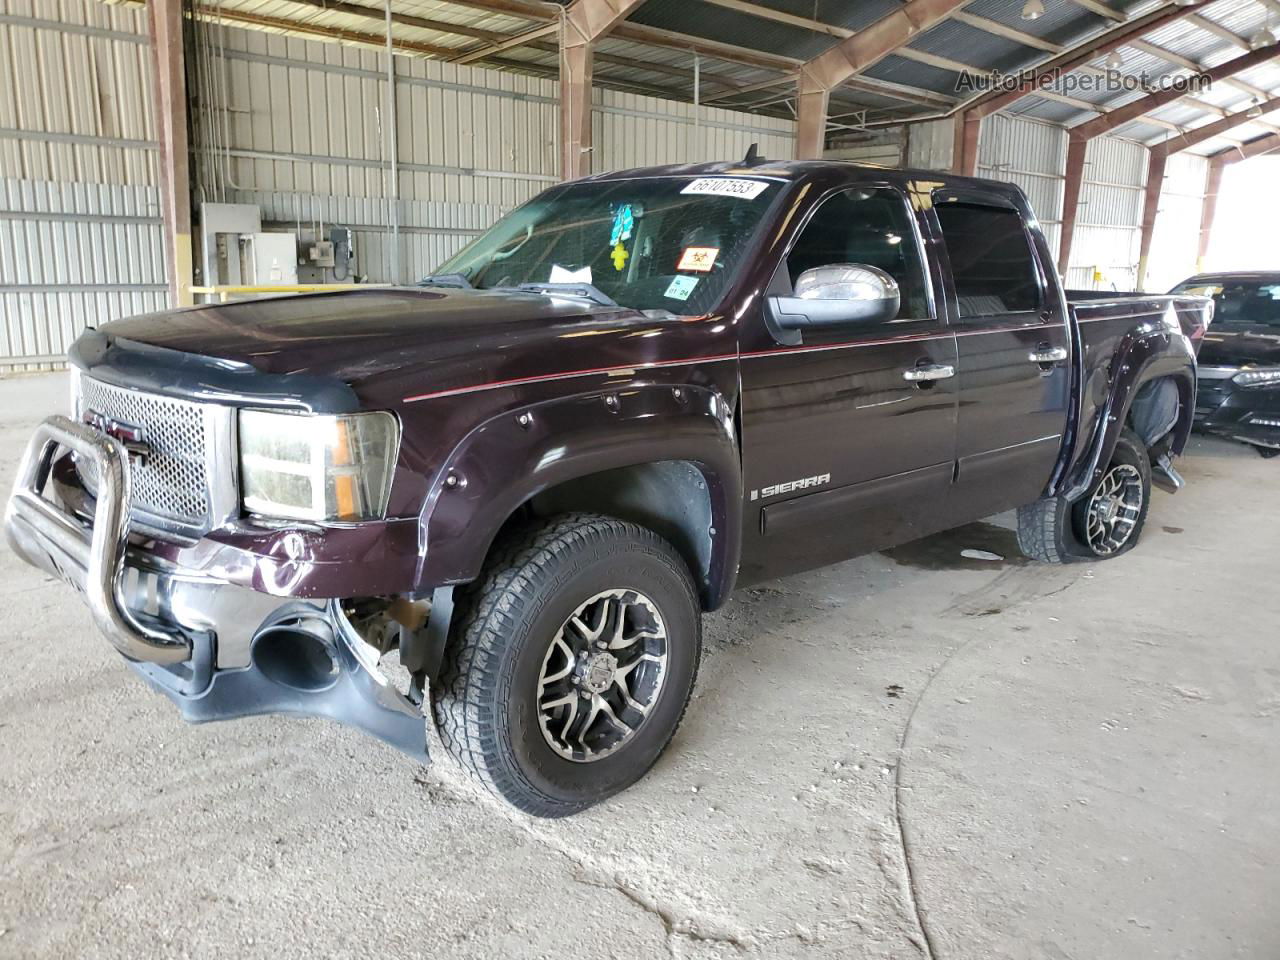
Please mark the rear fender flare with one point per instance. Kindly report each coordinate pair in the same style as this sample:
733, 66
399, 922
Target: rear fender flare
1144, 355
505, 461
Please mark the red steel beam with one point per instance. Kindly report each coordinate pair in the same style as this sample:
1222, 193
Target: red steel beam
585, 22
968, 121
166, 22
1081, 135
851, 56
1160, 154
1217, 162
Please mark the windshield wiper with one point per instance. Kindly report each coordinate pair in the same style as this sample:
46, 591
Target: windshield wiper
452, 280
584, 290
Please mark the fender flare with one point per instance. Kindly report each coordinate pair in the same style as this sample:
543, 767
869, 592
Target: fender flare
1144, 355
510, 458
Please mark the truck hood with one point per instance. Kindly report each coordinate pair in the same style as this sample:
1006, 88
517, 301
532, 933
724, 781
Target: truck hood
1251, 346
383, 346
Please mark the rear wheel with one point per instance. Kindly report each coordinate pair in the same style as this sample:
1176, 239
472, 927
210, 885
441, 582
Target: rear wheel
1106, 522
570, 663
1268, 452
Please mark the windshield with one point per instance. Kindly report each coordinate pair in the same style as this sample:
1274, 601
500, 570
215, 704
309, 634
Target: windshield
1241, 303
665, 244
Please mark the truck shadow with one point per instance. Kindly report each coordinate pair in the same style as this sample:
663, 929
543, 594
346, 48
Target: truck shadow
989, 547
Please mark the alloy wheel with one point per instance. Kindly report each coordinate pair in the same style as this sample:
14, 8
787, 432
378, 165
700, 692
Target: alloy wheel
602, 675
1114, 509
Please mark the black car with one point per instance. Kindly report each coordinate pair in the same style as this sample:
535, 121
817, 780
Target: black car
1239, 371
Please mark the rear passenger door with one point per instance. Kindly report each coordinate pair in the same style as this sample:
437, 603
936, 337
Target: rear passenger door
1013, 347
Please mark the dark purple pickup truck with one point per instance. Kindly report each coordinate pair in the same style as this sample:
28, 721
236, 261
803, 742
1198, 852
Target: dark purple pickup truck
530, 475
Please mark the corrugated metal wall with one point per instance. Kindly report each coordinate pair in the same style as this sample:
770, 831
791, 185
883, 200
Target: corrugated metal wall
80, 231
1104, 254
629, 130
304, 141
292, 125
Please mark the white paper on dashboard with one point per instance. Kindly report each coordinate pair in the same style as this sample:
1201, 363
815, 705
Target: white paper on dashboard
561, 274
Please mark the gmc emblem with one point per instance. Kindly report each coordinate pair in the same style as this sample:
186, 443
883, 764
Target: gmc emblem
129, 435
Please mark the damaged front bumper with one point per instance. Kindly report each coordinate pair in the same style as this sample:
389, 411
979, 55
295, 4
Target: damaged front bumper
1248, 414
216, 649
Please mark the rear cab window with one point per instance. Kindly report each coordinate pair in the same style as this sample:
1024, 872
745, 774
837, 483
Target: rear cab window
993, 266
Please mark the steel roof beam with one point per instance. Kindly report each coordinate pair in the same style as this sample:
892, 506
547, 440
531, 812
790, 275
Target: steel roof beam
969, 119
851, 57
1079, 138
1160, 154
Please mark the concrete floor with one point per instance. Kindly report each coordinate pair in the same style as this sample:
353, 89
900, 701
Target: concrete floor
906, 755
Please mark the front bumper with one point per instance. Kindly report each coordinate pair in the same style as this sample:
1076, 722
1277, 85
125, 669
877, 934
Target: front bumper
1247, 414
216, 649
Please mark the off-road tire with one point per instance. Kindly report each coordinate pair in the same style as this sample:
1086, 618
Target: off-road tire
485, 697
1052, 530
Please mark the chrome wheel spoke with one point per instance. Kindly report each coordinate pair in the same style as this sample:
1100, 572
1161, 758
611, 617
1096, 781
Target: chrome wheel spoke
616, 640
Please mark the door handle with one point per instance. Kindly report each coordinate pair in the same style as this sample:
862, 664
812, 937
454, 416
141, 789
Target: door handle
1047, 354
928, 372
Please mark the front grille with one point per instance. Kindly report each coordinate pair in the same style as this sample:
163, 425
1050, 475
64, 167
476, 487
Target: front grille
172, 484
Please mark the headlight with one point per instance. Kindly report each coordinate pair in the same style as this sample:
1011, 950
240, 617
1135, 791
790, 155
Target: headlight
1257, 378
310, 467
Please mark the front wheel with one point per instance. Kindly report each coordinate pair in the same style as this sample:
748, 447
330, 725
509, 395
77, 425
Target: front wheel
1106, 522
570, 663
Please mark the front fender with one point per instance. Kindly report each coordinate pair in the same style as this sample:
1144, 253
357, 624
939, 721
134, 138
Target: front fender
1148, 352
525, 451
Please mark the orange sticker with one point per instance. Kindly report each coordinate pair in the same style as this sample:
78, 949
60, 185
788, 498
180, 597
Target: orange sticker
698, 259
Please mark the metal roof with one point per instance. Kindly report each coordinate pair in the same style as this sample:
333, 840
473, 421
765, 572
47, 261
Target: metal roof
746, 50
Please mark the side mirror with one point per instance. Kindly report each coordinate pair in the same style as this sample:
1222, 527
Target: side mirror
840, 295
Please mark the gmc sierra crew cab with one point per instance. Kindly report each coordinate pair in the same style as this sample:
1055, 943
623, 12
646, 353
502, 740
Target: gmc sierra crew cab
500, 501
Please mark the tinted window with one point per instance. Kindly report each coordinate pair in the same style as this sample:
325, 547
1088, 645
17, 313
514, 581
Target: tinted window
868, 226
991, 259
666, 244
1242, 303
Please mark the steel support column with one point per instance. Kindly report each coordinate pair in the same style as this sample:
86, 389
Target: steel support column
1208, 210
1076, 150
171, 127
584, 23
1150, 206
1254, 148
1159, 157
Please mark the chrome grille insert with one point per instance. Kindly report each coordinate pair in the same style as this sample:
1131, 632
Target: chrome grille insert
186, 482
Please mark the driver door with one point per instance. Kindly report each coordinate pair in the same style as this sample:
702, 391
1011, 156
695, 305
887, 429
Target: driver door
845, 448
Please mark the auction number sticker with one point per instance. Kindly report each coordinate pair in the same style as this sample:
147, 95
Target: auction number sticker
727, 187
698, 259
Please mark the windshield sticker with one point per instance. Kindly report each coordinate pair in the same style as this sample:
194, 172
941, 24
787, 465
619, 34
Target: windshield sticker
561, 274
619, 256
698, 259
681, 287
623, 221
727, 187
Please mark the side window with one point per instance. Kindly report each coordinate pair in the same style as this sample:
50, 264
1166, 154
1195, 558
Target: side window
991, 259
868, 226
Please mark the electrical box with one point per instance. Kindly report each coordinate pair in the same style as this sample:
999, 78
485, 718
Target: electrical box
268, 259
